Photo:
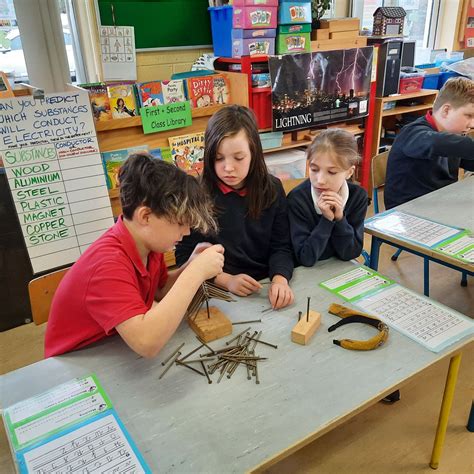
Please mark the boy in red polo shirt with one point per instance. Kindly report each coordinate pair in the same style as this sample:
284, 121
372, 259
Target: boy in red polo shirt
121, 283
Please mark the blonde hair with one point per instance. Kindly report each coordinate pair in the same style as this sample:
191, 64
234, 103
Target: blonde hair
338, 142
457, 92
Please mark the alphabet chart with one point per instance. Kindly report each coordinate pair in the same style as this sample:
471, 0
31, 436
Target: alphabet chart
424, 320
55, 173
71, 428
412, 228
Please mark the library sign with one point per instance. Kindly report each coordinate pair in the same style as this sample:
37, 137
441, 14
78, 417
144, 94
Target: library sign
166, 117
55, 173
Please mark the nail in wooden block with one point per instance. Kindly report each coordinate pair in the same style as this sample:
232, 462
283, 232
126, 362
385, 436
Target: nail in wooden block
210, 329
304, 330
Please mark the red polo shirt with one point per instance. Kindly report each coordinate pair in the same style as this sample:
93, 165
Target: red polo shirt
106, 286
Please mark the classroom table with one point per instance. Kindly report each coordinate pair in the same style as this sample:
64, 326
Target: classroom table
452, 205
182, 424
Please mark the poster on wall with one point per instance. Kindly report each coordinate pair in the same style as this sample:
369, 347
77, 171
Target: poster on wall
55, 173
313, 89
117, 44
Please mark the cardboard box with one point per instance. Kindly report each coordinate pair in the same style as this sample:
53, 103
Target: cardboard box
253, 47
293, 43
290, 13
258, 16
341, 24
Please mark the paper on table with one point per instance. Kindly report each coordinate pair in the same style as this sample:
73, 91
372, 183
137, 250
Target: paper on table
58, 395
422, 319
461, 247
100, 445
356, 283
412, 228
50, 422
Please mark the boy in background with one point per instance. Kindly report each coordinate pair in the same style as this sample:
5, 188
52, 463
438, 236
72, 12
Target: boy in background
427, 153
121, 283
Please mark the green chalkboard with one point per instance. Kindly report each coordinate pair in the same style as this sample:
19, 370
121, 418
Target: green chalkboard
161, 23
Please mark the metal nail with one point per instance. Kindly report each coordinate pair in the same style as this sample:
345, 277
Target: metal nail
205, 345
247, 322
205, 371
236, 337
169, 365
189, 367
192, 352
172, 355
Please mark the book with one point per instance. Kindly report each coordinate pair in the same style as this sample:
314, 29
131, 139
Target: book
221, 94
201, 91
113, 160
173, 91
187, 152
99, 100
150, 93
71, 427
122, 101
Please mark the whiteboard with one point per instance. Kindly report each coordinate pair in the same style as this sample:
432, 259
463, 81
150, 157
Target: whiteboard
51, 156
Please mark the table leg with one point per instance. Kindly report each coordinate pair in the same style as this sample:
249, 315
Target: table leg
426, 276
374, 252
446, 404
470, 421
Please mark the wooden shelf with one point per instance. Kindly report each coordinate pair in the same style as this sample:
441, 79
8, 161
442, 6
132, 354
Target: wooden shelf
422, 93
406, 109
289, 146
117, 124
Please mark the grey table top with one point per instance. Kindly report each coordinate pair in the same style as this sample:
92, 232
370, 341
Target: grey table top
452, 205
182, 424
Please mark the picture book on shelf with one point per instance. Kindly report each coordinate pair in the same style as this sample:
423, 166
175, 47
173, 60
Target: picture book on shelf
122, 101
221, 93
72, 427
113, 160
99, 100
201, 91
187, 152
173, 91
150, 93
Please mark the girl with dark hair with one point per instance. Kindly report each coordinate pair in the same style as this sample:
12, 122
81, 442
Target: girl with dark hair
251, 209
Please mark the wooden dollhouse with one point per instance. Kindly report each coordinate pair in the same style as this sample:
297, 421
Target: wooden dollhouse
389, 21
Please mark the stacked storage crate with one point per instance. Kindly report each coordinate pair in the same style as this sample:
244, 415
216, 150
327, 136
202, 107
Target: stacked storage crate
254, 27
294, 27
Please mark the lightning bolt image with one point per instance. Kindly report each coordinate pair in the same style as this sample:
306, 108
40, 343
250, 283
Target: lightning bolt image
339, 88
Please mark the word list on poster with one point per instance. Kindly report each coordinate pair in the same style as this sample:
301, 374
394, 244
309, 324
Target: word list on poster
55, 173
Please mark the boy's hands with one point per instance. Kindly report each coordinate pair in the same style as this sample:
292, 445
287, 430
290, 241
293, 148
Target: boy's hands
242, 284
331, 205
207, 261
280, 294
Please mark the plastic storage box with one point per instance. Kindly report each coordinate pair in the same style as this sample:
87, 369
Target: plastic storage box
444, 76
288, 164
430, 81
255, 16
271, 140
292, 12
411, 80
221, 27
253, 42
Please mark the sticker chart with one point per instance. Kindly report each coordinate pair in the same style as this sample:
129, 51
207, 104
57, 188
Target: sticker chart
56, 177
70, 428
412, 228
117, 45
427, 322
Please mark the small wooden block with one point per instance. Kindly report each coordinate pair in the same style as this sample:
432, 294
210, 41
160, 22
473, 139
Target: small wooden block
304, 330
340, 24
344, 34
321, 34
210, 329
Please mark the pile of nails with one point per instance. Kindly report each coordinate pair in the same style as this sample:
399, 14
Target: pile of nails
240, 350
205, 292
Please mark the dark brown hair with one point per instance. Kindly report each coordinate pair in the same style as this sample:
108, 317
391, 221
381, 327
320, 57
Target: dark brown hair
340, 143
167, 190
227, 122
457, 92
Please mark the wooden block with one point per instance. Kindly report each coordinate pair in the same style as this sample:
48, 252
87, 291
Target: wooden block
341, 24
286, 139
344, 34
304, 330
301, 134
210, 329
327, 45
321, 34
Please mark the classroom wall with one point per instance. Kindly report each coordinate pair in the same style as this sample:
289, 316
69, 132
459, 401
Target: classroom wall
162, 64
447, 25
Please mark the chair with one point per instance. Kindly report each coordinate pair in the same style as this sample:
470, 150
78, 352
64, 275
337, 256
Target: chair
41, 291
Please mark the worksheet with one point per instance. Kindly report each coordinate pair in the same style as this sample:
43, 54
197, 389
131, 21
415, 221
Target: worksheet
71, 428
352, 285
420, 318
460, 246
411, 228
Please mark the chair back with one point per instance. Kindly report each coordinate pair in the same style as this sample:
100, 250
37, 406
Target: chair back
41, 291
378, 173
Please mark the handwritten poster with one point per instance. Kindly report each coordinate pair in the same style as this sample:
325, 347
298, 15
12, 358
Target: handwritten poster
117, 45
55, 173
